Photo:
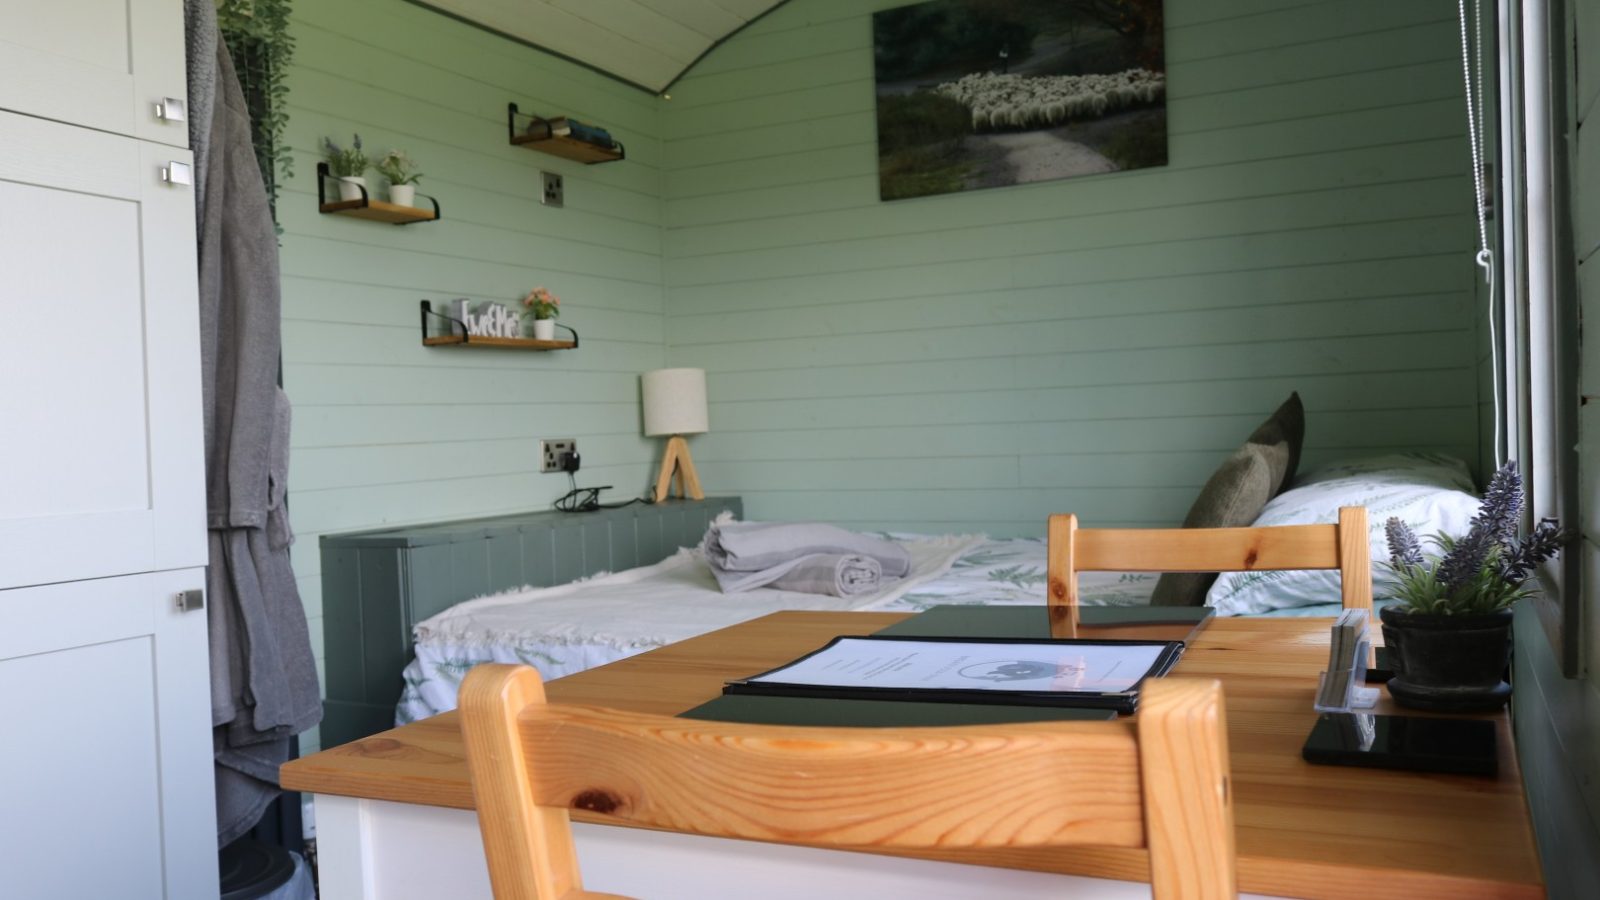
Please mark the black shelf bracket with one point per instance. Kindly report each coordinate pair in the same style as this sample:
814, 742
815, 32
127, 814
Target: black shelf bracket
453, 323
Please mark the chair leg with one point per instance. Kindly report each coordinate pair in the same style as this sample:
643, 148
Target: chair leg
1188, 802
529, 848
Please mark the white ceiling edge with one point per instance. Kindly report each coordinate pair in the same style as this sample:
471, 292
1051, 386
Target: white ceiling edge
646, 43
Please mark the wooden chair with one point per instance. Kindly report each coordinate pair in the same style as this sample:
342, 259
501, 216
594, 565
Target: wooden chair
1073, 550
1158, 780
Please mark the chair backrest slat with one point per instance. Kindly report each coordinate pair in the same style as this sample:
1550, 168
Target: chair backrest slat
1033, 785
1275, 547
1158, 780
1207, 549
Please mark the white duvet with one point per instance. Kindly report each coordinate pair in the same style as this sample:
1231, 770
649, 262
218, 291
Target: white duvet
573, 627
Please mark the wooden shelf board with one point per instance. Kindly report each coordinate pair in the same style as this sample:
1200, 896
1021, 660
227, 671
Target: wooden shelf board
567, 148
378, 211
448, 340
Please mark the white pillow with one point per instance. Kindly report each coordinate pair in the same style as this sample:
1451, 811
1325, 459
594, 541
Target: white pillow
1427, 491
1435, 469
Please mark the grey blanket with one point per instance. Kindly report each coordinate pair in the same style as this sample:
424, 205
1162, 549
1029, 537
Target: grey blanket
810, 555
833, 574
753, 546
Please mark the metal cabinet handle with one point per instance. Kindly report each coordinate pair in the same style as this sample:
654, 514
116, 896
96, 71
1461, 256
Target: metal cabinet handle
171, 109
189, 601
176, 173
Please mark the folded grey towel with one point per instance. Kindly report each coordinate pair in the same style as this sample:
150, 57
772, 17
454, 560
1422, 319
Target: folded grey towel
837, 575
759, 546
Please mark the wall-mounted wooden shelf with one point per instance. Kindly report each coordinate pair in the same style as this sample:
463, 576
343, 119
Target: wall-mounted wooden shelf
370, 209
458, 336
461, 340
539, 134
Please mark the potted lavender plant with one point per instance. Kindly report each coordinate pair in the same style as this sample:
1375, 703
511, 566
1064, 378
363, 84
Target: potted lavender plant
1449, 637
348, 166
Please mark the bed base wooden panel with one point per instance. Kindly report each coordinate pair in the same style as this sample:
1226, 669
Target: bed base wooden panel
377, 584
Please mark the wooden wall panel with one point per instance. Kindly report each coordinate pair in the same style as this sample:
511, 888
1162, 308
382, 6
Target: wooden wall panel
390, 432
976, 361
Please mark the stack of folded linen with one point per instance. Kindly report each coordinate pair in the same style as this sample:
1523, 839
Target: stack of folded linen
807, 557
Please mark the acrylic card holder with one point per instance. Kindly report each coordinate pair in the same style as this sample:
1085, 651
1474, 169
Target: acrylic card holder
1343, 686
1349, 689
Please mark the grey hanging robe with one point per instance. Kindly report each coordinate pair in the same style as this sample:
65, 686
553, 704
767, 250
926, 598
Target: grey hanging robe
263, 678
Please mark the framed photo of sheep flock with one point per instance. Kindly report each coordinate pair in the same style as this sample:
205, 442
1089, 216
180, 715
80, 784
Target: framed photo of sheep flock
989, 93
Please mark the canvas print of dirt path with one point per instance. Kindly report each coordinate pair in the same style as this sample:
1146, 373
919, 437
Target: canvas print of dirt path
989, 93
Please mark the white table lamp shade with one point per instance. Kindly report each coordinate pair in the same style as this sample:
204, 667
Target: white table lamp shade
674, 402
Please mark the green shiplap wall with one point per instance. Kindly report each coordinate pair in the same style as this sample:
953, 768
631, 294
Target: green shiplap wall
387, 431
959, 363
978, 361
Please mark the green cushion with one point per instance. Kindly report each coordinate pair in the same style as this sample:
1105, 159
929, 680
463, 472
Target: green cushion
1237, 492
1234, 495
1286, 427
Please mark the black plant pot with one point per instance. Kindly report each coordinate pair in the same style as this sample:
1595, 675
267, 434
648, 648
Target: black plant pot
1448, 663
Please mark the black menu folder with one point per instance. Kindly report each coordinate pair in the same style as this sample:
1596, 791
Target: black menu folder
1143, 623
1089, 674
830, 712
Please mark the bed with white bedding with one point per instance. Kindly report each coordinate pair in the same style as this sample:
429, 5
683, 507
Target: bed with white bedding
573, 627
568, 629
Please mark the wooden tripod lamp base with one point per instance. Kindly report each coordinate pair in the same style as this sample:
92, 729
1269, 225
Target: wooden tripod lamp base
675, 405
678, 468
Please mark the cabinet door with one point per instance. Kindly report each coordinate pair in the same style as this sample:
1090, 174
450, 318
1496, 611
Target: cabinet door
101, 469
106, 64
105, 764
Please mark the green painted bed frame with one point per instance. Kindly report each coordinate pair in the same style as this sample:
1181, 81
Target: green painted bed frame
377, 584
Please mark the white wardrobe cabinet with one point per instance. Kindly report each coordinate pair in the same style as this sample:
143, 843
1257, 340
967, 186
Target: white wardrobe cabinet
105, 755
112, 65
101, 457
106, 778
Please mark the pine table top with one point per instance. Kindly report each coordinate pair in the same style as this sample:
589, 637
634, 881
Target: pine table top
1302, 830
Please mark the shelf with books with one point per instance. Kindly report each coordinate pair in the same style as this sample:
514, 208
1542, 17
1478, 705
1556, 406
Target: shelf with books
563, 136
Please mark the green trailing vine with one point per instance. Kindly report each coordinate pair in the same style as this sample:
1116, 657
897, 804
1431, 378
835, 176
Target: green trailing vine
257, 35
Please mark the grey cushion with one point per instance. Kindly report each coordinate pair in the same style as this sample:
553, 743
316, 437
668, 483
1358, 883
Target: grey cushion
1237, 492
1232, 498
1285, 428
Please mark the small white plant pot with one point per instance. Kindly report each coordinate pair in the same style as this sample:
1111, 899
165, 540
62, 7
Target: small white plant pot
350, 187
544, 329
403, 194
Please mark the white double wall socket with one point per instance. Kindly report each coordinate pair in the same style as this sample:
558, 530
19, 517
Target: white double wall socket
553, 453
555, 189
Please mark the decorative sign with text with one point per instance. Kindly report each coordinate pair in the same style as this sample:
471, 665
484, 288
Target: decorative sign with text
490, 319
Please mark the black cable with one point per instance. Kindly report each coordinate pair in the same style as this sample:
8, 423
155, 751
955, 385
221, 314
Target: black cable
588, 499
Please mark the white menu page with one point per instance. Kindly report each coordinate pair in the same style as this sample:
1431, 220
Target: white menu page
978, 665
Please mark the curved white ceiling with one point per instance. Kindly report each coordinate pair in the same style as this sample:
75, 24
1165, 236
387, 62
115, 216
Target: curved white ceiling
646, 42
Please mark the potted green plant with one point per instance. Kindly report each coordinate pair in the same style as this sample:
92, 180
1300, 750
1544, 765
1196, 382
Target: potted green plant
401, 172
1449, 636
544, 307
349, 166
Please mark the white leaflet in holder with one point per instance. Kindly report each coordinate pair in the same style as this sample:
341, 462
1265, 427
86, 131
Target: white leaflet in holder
1343, 685
1345, 689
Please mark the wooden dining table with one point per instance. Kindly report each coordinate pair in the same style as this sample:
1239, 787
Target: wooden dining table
1302, 830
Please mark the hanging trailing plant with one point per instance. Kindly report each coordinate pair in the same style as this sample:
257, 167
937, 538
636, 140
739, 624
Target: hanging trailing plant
257, 35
